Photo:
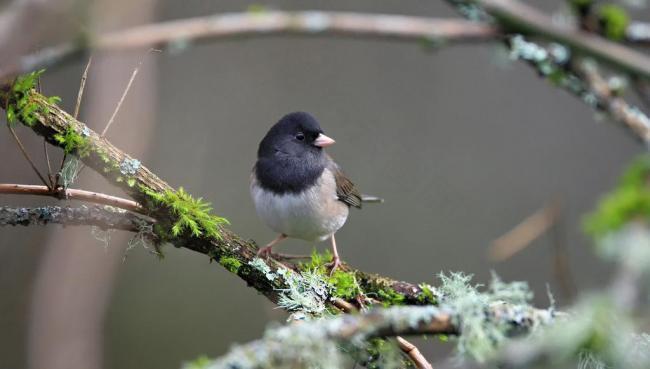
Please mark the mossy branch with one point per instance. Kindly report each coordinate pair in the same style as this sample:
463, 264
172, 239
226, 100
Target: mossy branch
180, 219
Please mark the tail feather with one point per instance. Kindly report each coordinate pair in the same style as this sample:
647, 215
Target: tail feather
371, 199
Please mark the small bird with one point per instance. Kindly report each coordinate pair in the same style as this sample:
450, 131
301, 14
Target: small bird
298, 190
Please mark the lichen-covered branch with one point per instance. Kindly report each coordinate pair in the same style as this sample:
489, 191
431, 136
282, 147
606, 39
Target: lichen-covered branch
104, 217
516, 17
484, 319
559, 66
180, 219
180, 33
318, 343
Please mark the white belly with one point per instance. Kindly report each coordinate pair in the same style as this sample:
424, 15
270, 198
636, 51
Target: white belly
302, 215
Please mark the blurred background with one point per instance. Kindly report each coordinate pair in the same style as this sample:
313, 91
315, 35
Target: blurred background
462, 144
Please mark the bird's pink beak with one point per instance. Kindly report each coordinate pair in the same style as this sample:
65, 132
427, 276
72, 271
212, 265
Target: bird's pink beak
323, 141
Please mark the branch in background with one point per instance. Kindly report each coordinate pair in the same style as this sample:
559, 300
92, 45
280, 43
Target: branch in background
611, 103
180, 33
105, 217
517, 17
70, 193
556, 64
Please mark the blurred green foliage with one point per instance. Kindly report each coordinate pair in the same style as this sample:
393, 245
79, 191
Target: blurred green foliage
629, 201
614, 20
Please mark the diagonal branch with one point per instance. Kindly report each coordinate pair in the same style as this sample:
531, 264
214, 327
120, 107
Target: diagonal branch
139, 183
515, 16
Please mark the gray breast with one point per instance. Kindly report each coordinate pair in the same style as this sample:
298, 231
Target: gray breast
313, 214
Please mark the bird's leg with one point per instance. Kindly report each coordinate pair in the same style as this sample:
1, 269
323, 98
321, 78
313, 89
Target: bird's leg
336, 261
266, 251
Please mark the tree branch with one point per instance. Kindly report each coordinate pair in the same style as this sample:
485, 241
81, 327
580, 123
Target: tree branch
104, 217
132, 177
229, 25
517, 17
71, 193
304, 343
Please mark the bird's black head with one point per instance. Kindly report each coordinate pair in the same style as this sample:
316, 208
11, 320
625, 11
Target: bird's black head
290, 156
297, 134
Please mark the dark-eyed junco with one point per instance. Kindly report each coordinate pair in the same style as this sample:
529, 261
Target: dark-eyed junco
298, 190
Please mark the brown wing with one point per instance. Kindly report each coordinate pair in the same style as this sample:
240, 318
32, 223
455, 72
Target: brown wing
345, 189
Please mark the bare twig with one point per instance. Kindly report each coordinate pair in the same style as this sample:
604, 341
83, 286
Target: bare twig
26, 155
100, 216
50, 177
75, 194
80, 94
414, 353
407, 347
524, 233
119, 104
82, 86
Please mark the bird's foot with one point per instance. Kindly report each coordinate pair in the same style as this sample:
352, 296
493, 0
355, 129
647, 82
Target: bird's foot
265, 252
333, 265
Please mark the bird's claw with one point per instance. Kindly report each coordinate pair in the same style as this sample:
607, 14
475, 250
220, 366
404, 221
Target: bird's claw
333, 265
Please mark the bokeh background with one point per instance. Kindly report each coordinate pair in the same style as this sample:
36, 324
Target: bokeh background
461, 143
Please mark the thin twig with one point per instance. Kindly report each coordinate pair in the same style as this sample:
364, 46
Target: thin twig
561, 265
75, 194
119, 104
26, 155
82, 86
414, 353
524, 233
80, 94
49, 167
407, 347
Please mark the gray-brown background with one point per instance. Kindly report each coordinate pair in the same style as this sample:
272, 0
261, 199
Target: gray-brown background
461, 146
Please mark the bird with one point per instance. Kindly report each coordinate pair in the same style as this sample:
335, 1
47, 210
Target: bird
298, 190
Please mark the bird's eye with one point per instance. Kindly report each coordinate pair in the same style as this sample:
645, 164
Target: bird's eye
300, 136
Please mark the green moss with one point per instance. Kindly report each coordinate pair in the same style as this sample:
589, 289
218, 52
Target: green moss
427, 296
230, 263
390, 297
614, 20
73, 142
192, 215
202, 362
317, 261
630, 201
345, 285
19, 103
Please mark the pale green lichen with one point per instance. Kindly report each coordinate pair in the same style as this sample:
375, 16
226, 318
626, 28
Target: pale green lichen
307, 292
487, 318
261, 266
